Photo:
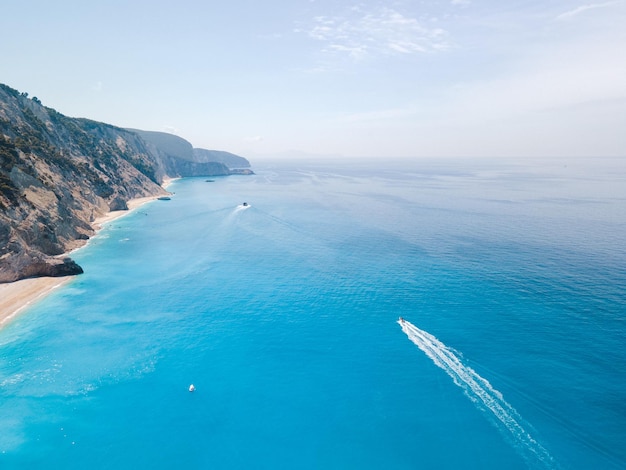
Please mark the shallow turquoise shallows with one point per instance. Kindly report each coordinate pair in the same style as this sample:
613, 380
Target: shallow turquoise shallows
510, 276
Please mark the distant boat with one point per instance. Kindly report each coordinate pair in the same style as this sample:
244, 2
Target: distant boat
245, 204
192, 388
164, 198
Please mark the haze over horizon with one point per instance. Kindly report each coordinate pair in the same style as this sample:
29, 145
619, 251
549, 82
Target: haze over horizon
319, 77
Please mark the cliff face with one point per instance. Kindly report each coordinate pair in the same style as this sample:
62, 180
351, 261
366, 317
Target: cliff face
229, 159
177, 157
57, 174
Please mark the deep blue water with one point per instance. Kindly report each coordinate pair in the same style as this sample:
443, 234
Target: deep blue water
511, 275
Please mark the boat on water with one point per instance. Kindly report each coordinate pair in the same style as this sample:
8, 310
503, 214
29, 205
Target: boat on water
245, 204
192, 388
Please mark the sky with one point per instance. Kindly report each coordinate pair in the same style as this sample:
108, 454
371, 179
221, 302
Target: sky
454, 78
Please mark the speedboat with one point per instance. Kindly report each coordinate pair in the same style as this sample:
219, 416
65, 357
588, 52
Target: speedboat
192, 388
245, 204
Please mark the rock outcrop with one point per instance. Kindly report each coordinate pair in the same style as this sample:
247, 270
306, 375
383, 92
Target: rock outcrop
179, 158
231, 160
58, 174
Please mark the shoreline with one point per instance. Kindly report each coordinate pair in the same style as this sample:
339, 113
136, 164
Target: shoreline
17, 296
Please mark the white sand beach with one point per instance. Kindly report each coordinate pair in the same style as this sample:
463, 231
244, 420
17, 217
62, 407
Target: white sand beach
17, 296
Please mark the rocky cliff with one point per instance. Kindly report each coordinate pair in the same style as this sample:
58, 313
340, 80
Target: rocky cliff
176, 156
231, 160
57, 174
177, 152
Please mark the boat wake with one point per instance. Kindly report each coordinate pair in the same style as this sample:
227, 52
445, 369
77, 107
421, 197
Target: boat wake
242, 207
480, 391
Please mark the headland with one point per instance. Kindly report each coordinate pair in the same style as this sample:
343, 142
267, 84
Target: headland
17, 296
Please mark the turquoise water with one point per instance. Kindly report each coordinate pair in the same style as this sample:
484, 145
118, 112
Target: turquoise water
510, 274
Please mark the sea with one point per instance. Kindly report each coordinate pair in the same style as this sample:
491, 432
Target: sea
353, 314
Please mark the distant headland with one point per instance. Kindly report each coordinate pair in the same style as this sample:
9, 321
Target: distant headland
59, 174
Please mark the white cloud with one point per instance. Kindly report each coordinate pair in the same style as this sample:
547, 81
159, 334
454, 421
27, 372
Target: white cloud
583, 8
382, 32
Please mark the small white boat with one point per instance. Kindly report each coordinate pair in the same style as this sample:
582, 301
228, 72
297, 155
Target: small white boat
192, 388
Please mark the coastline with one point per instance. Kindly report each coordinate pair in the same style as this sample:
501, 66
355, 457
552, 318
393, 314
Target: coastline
112, 215
16, 296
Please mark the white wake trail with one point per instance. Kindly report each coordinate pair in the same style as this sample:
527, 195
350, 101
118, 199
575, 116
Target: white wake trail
479, 390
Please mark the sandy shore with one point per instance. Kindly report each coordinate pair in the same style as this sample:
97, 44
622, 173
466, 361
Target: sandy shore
17, 296
132, 204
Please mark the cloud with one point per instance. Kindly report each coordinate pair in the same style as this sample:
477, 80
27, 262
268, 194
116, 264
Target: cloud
97, 86
256, 138
383, 32
583, 8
